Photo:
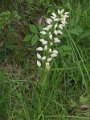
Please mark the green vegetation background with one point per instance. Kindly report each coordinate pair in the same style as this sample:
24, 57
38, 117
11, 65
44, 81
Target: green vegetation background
68, 92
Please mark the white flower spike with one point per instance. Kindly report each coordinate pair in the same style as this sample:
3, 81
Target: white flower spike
52, 33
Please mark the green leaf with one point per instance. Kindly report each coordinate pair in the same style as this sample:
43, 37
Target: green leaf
27, 38
2, 75
65, 50
76, 31
83, 99
85, 34
34, 39
33, 28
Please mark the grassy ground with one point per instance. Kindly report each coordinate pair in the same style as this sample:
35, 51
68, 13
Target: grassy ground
67, 95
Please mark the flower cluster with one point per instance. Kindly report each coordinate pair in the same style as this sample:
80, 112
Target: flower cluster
50, 37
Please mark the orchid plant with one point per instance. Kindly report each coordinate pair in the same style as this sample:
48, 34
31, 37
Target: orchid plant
47, 51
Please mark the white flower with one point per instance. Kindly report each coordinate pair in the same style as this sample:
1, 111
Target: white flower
63, 21
49, 20
60, 26
66, 16
44, 42
49, 59
60, 12
38, 63
54, 15
53, 55
50, 50
41, 40
66, 13
50, 35
55, 25
47, 28
38, 56
51, 43
47, 65
43, 58
59, 32
39, 49
55, 32
56, 40
43, 32
46, 47
56, 19
55, 52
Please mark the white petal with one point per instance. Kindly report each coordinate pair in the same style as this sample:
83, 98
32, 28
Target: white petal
44, 42
39, 49
55, 25
41, 40
62, 11
50, 50
56, 40
59, 12
56, 19
38, 63
55, 52
49, 20
38, 56
55, 32
47, 66
50, 35
66, 13
43, 32
61, 26
43, 58
63, 21
53, 55
54, 15
51, 43
59, 32
66, 16
45, 48
49, 59
47, 28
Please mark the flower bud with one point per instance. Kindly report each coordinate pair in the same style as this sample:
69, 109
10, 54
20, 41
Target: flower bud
38, 56
38, 63
39, 49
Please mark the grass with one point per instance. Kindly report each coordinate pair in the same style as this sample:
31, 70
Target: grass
65, 94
